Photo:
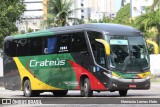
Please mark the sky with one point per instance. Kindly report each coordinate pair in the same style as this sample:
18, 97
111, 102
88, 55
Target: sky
117, 5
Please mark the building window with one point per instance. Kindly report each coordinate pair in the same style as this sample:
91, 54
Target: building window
82, 17
142, 8
82, 10
81, 4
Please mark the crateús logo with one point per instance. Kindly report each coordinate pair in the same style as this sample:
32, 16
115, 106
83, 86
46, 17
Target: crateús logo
35, 63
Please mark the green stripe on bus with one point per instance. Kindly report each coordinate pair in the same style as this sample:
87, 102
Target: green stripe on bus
125, 76
34, 34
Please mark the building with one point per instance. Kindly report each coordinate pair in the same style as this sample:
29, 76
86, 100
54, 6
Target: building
94, 9
33, 16
138, 7
102, 8
82, 9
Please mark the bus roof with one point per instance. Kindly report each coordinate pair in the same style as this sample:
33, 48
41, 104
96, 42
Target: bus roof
112, 29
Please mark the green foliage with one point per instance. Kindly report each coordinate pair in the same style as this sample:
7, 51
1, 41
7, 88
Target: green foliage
149, 23
92, 21
30, 30
146, 22
103, 20
123, 15
59, 12
10, 11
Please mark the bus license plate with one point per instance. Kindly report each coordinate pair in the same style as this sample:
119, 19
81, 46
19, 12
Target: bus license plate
132, 86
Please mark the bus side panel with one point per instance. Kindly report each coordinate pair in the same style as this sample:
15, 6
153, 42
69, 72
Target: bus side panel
84, 65
11, 74
48, 72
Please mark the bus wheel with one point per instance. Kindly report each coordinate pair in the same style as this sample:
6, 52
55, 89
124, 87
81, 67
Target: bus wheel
85, 88
60, 93
123, 92
28, 92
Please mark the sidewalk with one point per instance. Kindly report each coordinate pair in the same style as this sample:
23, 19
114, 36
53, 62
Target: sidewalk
155, 84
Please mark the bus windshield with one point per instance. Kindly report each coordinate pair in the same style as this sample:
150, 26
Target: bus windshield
128, 54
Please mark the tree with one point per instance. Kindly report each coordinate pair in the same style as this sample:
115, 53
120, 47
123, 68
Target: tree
10, 12
105, 19
30, 30
148, 21
123, 15
156, 3
59, 12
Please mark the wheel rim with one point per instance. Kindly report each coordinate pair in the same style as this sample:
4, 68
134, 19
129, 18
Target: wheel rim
85, 87
27, 89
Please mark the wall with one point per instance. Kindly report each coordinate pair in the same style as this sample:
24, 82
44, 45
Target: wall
1, 82
155, 64
137, 6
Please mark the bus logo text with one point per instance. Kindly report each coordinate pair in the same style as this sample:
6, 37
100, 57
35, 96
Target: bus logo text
35, 63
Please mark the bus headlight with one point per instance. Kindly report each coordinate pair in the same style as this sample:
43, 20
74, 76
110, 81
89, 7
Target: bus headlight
148, 77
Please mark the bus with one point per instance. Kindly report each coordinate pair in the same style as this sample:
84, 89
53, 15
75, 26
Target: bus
88, 57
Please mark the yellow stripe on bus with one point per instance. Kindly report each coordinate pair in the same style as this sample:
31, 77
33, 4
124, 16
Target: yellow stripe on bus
114, 74
35, 83
144, 75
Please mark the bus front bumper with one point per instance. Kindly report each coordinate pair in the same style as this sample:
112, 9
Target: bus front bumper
126, 84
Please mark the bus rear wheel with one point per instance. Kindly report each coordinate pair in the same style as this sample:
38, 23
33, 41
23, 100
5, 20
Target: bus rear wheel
28, 92
85, 88
60, 93
123, 92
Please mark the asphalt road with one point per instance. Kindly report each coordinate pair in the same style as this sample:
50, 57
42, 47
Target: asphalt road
149, 97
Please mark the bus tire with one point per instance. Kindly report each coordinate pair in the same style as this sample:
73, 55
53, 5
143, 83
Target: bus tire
60, 93
85, 88
123, 92
28, 92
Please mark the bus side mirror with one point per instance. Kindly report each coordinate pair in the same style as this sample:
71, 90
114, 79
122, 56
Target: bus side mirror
106, 45
156, 49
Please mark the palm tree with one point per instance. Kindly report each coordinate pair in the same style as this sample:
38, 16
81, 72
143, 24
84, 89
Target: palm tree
156, 3
151, 19
60, 10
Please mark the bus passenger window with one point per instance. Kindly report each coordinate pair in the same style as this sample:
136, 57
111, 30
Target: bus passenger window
10, 48
64, 43
51, 45
22, 47
36, 46
79, 42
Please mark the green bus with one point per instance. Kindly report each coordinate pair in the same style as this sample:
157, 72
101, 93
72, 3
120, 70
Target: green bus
88, 57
